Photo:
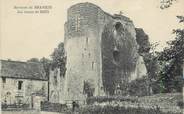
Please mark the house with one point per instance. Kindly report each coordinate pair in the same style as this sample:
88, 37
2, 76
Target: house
22, 83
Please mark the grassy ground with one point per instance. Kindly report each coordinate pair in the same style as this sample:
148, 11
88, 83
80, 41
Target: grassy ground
156, 104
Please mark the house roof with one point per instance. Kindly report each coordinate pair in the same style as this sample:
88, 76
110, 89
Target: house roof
22, 70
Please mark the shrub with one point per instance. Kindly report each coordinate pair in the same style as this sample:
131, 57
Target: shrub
120, 110
180, 104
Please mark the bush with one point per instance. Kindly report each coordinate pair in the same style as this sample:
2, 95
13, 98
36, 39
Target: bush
180, 104
120, 110
139, 87
102, 99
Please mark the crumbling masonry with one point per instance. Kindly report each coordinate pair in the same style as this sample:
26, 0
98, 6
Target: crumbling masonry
102, 53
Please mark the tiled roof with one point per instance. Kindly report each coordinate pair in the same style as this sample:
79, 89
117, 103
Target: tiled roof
22, 70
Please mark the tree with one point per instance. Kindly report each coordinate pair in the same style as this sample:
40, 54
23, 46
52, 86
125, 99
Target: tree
59, 59
152, 65
46, 65
166, 3
171, 58
33, 60
149, 53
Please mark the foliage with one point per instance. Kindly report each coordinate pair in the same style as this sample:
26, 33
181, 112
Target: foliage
33, 60
149, 53
103, 99
166, 3
59, 59
165, 67
153, 68
44, 61
121, 110
180, 104
138, 87
143, 41
46, 65
171, 60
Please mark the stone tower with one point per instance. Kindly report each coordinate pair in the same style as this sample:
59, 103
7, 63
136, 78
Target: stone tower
101, 52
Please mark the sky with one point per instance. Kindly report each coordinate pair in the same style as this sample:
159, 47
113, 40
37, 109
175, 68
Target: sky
25, 36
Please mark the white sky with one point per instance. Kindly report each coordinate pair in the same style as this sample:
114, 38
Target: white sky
24, 36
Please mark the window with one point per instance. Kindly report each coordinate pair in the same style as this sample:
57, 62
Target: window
4, 79
118, 26
55, 76
77, 23
87, 40
92, 65
20, 85
116, 56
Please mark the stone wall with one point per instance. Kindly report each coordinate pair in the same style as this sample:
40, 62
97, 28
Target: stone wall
121, 62
56, 86
53, 107
100, 49
20, 112
119, 50
183, 70
29, 112
11, 94
83, 51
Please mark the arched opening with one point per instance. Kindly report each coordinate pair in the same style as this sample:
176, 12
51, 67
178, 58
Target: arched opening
116, 55
88, 88
118, 25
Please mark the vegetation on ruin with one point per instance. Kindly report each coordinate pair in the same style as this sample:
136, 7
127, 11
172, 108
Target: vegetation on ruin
59, 58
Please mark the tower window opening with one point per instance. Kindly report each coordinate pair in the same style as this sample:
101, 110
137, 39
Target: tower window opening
77, 23
118, 25
92, 65
87, 40
116, 56
4, 79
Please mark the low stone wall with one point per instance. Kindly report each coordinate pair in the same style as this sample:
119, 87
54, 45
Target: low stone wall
21, 112
52, 107
29, 112
45, 112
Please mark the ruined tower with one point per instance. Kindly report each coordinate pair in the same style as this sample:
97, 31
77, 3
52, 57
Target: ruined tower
101, 52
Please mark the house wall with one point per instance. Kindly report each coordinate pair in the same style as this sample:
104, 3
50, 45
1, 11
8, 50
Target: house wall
29, 112
10, 93
22, 112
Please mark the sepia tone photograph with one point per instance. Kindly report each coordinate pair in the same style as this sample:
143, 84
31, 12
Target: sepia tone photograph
91, 57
